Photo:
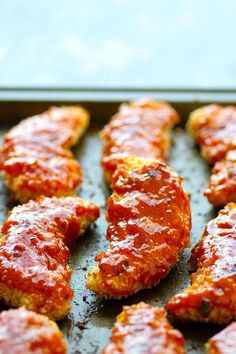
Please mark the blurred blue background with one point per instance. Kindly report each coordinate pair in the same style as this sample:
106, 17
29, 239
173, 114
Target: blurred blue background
118, 43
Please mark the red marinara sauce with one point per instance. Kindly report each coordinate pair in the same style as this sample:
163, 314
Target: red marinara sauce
211, 295
25, 332
34, 250
214, 128
149, 226
140, 128
223, 342
222, 183
144, 329
35, 159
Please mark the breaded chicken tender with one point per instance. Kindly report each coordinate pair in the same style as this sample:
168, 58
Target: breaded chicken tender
34, 253
139, 128
149, 226
35, 159
223, 342
144, 329
222, 185
25, 332
211, 297
214, 129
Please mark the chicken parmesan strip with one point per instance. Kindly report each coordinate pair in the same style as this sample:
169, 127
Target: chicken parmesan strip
25, 332
149, 226
222, 184
35, 159
223, 342
211, 297
144, 329
214, 129
139, 128
34, 253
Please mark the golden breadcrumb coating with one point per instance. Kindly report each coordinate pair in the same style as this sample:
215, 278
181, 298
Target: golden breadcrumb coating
222, 184
144, 329
25, 332
35, 159
211, 297
223, 342
214, 129
149, 226
34, 253
139, 128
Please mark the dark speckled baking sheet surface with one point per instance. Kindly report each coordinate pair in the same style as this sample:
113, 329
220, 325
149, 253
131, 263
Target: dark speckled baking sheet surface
88, 326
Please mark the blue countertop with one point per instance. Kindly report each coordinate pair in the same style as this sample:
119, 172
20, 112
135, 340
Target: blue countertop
118, 43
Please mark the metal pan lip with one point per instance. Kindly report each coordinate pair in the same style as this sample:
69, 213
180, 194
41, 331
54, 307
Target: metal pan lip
116, 94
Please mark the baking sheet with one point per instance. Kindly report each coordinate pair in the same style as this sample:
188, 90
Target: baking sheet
88, 326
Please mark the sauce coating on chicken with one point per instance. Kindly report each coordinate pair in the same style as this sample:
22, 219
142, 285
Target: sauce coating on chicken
25, 332
139, 128
222, 184
223, 342
35, 159
144, 329
214, 128
149, 226
34, 252
211, 295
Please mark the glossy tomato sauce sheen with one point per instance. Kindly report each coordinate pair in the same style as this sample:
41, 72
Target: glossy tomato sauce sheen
143, 329
35, 159
223, 342
34, 249
214, 128
222, 184
211, 295
149, 225
140, 128
25, 332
